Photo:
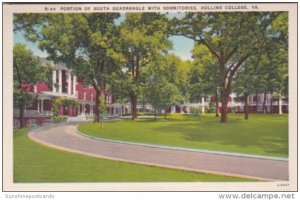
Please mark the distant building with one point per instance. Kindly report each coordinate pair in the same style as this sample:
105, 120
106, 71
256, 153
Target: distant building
236, 105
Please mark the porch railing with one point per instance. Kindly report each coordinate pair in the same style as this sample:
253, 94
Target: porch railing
30, 113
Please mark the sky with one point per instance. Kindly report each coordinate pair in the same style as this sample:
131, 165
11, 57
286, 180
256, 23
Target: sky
182, 46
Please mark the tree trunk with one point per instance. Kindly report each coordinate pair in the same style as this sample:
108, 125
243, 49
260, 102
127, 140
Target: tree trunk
97, 112
264, 103
246, 107
132, 107
155, 115
98, 90
256, 102
136, 110
133, 101
135, 107
224, 101
217, 104
165, 114
271, 102
21, 117
224, 92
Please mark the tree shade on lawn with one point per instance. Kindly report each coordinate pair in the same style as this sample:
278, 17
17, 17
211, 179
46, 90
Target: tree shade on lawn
262, 135
34, 163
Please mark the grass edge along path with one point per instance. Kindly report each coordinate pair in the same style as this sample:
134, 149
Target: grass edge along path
35, 163
263, 135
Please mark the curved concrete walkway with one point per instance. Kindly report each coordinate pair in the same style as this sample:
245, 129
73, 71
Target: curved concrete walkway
65, 137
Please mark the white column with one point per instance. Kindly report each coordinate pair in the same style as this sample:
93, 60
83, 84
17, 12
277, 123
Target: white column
60, 80
54, 80
69, 82
42, 106
188, 109
173, 109
74, 85
38, 106
280, 105
203, 105
114, 111
92, 109
35, 89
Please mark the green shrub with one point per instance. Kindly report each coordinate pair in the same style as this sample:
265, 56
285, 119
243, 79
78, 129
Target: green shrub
59, 119
195, 110
234, 109
62, 101
211, 108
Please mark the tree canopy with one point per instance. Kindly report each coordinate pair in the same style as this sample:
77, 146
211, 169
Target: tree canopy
144, 39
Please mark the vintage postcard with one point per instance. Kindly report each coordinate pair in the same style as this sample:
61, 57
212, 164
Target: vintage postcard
150, 97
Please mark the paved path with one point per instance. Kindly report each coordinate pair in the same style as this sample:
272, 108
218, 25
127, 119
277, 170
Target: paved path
65, 137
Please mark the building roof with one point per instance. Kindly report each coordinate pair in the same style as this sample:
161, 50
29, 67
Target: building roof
45, 61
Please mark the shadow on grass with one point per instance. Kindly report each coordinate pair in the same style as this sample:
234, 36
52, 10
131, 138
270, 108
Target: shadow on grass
236, 134
172, 118
261, 134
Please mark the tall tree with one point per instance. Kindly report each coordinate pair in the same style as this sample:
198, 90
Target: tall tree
275, 71
166, 81
204, 76
231, 38
175, 70
249, 81
144, 37
162, 94
86, 43
27, 70
171, 68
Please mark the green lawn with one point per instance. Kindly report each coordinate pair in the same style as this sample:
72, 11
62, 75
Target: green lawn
261, 134
34, 163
